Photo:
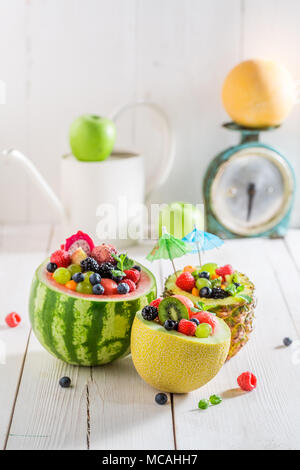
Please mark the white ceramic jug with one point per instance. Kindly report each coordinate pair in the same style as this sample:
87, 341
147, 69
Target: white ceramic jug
89, 190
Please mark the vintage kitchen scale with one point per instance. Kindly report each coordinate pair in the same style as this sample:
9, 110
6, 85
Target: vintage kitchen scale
249, 189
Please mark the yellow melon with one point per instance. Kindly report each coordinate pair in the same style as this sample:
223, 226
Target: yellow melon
258, 93
172, 362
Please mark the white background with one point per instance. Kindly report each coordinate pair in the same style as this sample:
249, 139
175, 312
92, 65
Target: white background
62, 58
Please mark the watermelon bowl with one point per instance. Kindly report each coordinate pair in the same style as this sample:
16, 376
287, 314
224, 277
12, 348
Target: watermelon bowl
85, 329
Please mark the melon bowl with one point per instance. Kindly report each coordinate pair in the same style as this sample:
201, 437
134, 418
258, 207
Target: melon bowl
172, 362
85, 330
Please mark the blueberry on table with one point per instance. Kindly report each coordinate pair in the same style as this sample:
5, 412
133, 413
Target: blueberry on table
98, 289
65, 382
161, 398
287, 341
51, 267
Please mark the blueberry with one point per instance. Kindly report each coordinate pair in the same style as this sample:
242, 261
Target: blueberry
237, 284
98, 289
170, 325
117, 278
287, 341
78, 277
51, 267
65, 382
161, 398
95, 278
123, 288
138, 268
205, 292
204, 274
195, 320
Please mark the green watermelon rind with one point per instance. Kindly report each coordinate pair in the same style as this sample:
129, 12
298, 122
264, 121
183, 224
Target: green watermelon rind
84, 331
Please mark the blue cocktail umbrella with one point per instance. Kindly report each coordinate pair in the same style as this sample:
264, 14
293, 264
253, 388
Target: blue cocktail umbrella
202, 241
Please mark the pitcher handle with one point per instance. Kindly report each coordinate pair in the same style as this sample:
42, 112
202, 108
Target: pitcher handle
168, 158
35, 175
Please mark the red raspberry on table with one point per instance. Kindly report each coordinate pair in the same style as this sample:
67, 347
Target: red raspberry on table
206, 317
224, 270
187, 327
61, 258
133, 274
13, 319
185, 281
156, 302
247, 381
130, 283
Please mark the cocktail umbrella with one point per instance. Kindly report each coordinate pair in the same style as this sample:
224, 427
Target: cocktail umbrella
202, 241
169, 247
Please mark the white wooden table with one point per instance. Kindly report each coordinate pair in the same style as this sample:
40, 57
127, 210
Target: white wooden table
110, 407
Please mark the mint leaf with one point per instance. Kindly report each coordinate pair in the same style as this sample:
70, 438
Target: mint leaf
194, 309
244, 297
128, 263
118, 273
231, 289
201, 305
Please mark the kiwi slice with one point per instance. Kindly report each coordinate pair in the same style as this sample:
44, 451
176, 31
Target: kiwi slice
171, 308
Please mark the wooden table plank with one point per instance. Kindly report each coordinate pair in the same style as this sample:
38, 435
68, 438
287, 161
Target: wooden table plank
17, 267
268, 417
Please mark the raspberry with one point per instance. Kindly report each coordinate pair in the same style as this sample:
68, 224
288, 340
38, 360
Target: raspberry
156, 302
247, 381
206, 317
13, 319
224, 270
184, 300
133, 274
130, 283
61, 258
187, 327
185, 281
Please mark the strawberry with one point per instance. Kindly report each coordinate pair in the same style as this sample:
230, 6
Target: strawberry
130, 283
12, 319
247, 381
224, 270
206, 317
61, 258
187, 327
156, 302
185, 281
133, 274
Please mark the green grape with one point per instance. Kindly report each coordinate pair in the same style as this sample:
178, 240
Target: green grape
84, 288
202, 282
204, 330
74, 268
203, 404
209, 267
215, 400
62, 275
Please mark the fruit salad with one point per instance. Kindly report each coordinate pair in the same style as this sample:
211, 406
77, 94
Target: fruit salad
81, 266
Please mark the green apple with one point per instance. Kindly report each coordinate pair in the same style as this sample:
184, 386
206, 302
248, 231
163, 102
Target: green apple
92, 137
179, 218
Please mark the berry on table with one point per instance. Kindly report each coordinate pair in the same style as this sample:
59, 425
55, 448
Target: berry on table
123, 288
215, 399
65, 382
170, 325
89, 264
110, 286
78, 277
185, 281
205, 292
204, 274
247, 381
287, 341
204, 330
161, 398
95, 278
51, 267
130, 283
156, 302
133, 274
12, 319
98, 289
203, 404
61, 258
187, 327
149, 313
62, 275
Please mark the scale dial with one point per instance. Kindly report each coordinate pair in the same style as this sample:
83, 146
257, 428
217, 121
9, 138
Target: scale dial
252, 191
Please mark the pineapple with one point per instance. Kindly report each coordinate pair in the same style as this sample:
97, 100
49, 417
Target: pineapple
238, 314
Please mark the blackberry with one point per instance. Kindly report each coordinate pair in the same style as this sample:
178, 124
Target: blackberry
218, 293
149, 313
89, 264
105, 270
